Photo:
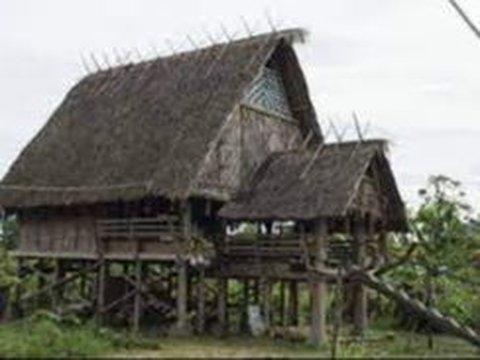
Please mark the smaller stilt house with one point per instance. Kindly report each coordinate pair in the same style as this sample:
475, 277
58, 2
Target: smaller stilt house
127, 192
341, 188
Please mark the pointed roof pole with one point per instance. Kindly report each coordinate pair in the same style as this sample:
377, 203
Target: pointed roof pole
192, 43
270, 21
358, 129
247, 28
118, 58
85, 64
106, 60
95, 62
209, 36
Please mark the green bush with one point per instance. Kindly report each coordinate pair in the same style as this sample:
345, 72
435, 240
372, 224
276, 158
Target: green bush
48, 335
45, 337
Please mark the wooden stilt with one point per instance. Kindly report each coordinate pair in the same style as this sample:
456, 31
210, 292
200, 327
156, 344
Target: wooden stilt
41, 282
16, 310
244, 306
137, 302
182, 308
293, 303
182, 276
101, 278
256, 291
266, 288
56, 292
319, 287
360, 300
83, 283
281, 305
201, 301
222, 305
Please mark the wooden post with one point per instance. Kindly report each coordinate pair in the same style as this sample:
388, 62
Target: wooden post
222, 303
281, 304
256, 291
41, 281
182, 311
15, 310
83, 283
382, 244
266, 289
293, 303
360, 300
56, 293
101, 277
319, 287
201, 300
244, 307
137, 301
182, 277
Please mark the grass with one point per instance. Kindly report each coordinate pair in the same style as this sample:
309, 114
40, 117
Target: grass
380, 344
45, 335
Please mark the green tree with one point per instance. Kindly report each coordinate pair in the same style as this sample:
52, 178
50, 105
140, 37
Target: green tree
441, 225
9, 233
443, 263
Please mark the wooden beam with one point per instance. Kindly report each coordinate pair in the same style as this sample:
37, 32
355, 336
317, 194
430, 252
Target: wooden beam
62, 282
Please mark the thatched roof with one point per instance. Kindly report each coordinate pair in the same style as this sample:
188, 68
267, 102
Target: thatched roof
306, 185
144, 129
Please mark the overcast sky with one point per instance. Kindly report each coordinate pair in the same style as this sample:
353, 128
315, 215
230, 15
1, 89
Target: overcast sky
411, 68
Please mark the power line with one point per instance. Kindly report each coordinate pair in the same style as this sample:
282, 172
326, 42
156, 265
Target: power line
465, 18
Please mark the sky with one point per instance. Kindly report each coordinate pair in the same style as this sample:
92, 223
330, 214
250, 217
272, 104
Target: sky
410, 69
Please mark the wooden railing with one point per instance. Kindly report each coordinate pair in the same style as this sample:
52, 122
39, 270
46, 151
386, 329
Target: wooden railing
284, 247
264, 247
165, 227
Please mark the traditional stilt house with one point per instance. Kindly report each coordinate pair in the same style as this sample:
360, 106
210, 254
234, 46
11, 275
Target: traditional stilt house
130, 188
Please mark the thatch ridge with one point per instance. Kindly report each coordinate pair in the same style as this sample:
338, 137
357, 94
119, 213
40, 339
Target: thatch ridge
137, 129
